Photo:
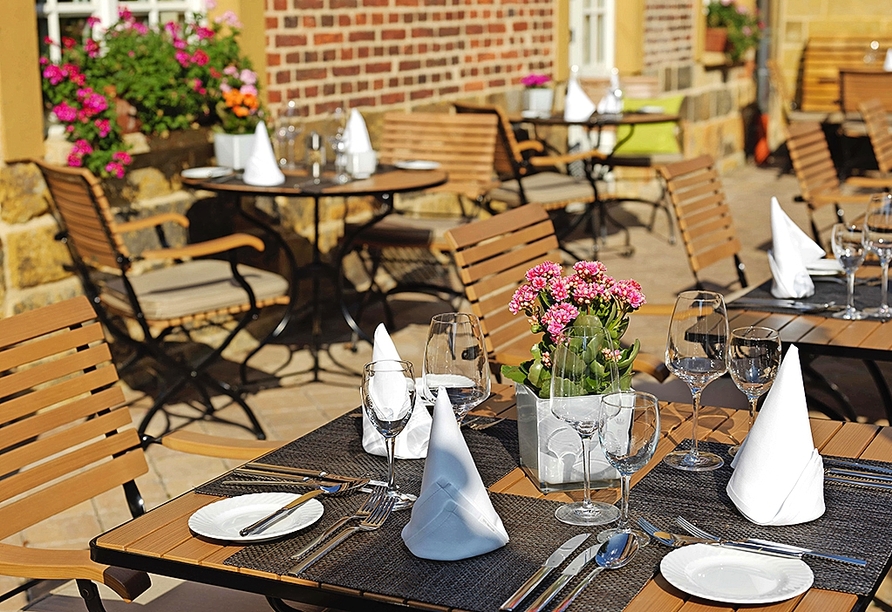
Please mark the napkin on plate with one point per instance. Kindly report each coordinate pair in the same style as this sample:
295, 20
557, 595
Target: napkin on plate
453, 517
791, 253
262, 168
577, 105
356, 134
778, 473
412, 441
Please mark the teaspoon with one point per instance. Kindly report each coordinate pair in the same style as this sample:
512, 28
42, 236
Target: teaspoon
613, 554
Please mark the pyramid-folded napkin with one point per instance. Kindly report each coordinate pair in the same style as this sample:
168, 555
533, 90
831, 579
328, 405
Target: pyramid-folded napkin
412, 442
791, 253
887, 63
577, 105
778, 473
262, 168
453, 517
356, 134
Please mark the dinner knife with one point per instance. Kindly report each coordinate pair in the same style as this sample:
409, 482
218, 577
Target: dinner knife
858, 465
270, 518
553, 561
576, 565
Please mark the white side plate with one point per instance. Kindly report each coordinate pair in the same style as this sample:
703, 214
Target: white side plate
206, 172
223, 519
733, 576
825, 267
417, 164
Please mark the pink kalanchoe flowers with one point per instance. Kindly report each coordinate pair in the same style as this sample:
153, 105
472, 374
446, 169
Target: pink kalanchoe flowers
558, 317
535, 80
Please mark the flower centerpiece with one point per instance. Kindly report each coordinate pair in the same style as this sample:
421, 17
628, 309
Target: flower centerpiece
537, 95
535, 80
744, 28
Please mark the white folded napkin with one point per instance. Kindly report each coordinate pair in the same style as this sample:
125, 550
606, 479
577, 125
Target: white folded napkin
412, 442
577, 105
778, 473
610, 103
356, 134
791, 253
262, 168
887, 64
453, 517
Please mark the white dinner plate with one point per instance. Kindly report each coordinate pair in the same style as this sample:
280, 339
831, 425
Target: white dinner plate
206, 172
223, 519
733, 576
417, 164
652, 110
825, 267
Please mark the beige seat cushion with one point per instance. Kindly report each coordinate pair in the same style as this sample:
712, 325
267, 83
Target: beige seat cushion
397, 230
550, 189
193, 287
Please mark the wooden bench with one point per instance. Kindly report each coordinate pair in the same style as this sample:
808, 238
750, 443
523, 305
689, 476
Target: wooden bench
825, 56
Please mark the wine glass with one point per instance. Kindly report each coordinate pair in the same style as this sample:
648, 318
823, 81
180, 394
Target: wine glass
578, 379
878, 238
696, 353
388, 396
288, 129
754, 355
455, 358
628, 429
848, 248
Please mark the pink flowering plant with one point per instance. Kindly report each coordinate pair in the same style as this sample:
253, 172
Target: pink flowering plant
587, 297
535, 80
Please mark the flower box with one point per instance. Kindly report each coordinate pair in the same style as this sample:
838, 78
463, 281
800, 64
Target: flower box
716, 39
233, 150
537, 101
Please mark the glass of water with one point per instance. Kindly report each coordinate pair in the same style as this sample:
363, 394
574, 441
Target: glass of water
878, 239
848, 248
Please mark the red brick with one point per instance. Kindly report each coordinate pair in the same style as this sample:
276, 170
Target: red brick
393, 98
308, 5
393, 35
273, 59
378, 67
291, 40
280, 5
354, 37
333, 38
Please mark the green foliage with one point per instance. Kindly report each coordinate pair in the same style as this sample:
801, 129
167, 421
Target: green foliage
744, 27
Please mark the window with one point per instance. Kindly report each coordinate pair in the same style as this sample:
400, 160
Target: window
58, 18
592, 38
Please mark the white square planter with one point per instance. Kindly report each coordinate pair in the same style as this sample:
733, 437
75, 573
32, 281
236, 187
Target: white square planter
233, 150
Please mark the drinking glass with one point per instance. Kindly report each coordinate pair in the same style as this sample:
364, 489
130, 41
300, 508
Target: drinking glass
388, 396
696, 353
576, 384
455, 358
754, 355
628, 429
878, 238
848, 248
288, 129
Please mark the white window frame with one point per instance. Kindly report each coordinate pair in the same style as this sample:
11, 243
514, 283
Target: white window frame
598, 57
107, 12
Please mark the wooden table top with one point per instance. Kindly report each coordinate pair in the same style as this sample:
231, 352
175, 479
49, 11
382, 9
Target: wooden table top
597, 120
161, 542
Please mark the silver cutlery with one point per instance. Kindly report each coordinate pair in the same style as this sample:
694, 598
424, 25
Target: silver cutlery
482, 424
274, 481
675, 540
782, 304
613, 554
553, 560
858, 474
696, 531
576, 565
365, 510
266, 468
860, 483
869, 467
370, 523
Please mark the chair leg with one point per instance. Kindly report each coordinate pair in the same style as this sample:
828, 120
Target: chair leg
90, 594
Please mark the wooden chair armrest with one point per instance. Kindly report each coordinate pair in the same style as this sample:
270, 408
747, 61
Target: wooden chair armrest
823, 199
566, 158
530, 145
208, 247
218, 446
153, 221
870, 182
47, 564
651, 365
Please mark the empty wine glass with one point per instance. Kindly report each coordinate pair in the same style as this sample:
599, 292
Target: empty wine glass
754, 355
388, 396
848, 248
696, 353
455, 358
878, 238
288, 129
579, 377
628, 429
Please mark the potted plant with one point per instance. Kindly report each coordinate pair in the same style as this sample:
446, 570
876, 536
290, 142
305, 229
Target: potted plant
740, 28
587, 297
239, 112
538, 95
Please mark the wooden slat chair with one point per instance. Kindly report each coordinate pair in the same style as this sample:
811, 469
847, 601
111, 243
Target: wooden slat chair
704, 218
66, 436
819, 182
530, 175
493, 256
409, 245
874, 114
186, 293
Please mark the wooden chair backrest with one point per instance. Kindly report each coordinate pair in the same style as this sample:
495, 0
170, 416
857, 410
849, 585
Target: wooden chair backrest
824, 56
857, 86
704, 218
508, 158
812, 163
777, 81
874, 114
65, 436
463, 145
80, 200
492, 257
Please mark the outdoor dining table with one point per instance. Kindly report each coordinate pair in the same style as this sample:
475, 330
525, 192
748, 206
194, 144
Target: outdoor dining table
375, 571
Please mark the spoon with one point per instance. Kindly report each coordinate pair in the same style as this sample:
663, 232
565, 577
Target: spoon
613, 554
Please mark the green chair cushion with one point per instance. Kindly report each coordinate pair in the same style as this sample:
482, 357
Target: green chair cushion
652, 138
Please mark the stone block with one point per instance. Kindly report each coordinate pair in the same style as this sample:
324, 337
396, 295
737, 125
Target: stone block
148, 183
21, 193
33, 256
42, 295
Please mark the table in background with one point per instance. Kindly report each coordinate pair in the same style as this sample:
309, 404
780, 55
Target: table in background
160, 541
382, 185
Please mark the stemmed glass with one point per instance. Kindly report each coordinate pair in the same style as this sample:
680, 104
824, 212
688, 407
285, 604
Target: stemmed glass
628, 429
754, 355
878, 238
577, 378
388, 396
848, 248
696, 353
288, 128
455, 358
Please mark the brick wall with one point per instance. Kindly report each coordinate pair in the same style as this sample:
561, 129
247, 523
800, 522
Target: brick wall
668, 32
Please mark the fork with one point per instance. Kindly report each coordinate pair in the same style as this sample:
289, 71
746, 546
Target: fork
674, 540
478, 424
700, 533
365, 510
370, 523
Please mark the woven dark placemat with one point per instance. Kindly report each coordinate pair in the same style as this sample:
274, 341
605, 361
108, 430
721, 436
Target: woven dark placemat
826, 291
856, 522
